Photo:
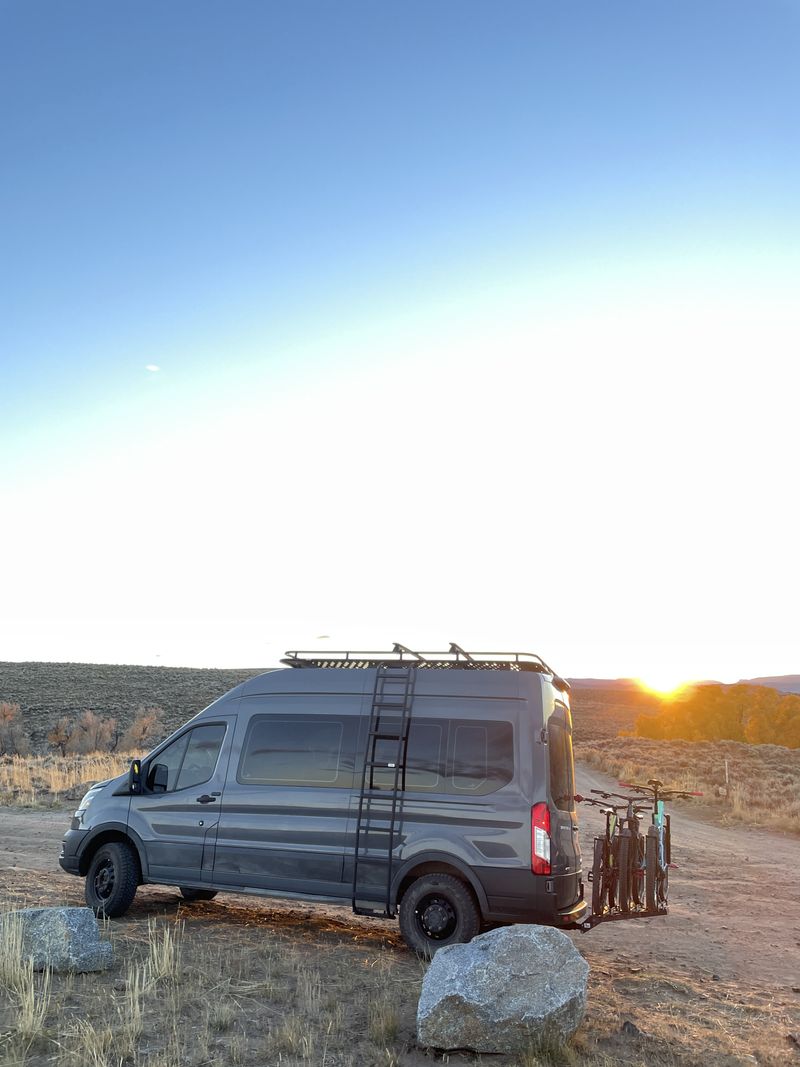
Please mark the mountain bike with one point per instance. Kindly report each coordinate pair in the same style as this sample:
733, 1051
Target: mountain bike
658, 843
605, 866
630, 852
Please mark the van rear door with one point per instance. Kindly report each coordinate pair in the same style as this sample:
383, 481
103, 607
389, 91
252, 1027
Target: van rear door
565, 847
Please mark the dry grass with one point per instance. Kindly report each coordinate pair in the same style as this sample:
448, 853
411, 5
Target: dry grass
763, 780
224, 987
46, 781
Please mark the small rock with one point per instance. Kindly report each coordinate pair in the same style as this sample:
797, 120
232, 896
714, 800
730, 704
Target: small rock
715, 978
63, 939
635, 970
796, 988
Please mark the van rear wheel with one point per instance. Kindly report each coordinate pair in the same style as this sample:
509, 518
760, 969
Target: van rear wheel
190, 895
112, 879
438, 910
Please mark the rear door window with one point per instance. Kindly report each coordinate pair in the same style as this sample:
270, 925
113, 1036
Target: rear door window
562, 768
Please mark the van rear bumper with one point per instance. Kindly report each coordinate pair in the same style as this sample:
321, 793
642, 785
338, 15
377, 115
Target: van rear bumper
522, 896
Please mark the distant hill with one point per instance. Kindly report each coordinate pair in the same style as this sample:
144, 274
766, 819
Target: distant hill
46, 691
784, 683
602, 707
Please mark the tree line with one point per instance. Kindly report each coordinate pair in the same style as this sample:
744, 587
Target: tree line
751, 713
87, 732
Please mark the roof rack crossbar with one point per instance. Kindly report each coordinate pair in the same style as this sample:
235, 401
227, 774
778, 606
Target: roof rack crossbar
402, 650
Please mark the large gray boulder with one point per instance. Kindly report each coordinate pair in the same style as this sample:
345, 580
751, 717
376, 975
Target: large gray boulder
505, 991
64, 939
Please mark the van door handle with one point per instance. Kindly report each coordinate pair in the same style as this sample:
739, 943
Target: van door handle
206, 799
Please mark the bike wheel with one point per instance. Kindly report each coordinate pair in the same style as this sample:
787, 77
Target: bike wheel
623, 874
662, 887
650, 872
667, 842
637, 857
599, 877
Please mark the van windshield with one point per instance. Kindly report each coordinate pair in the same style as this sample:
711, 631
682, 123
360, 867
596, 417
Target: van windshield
562, 769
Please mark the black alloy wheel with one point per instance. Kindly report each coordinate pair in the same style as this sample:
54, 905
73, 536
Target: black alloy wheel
112, 879
437, 910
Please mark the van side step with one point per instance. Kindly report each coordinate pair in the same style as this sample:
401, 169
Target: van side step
389, 722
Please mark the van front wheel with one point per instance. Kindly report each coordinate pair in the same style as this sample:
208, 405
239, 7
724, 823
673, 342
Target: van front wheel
437, 910
112, 879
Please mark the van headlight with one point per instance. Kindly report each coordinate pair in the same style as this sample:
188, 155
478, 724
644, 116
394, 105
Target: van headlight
86, 800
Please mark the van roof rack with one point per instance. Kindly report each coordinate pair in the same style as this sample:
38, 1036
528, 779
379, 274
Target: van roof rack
454, 659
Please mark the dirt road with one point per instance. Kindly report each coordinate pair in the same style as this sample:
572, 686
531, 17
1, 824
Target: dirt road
717, 981
734, 899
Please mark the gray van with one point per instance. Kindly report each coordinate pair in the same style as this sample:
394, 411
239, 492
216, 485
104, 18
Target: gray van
434, 786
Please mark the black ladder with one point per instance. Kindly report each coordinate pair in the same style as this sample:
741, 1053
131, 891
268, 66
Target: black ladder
378, 807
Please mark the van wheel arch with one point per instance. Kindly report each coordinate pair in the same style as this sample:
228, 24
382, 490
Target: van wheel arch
432, 865
106, 837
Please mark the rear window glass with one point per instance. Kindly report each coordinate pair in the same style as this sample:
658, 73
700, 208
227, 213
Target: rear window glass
455, 756
483, 757
562, 769
424, 759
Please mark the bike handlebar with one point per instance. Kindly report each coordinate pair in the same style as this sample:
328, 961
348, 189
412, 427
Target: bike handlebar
598, 803
653, 788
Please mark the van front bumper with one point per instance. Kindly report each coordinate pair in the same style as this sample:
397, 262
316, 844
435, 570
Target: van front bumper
69, 860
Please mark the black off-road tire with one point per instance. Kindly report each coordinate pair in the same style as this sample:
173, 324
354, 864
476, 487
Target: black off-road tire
190, 895
112, 879
438, 910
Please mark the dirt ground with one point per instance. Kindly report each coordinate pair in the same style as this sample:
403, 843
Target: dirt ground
717, 981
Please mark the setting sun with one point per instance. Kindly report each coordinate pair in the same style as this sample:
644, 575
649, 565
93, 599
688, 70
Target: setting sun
663, 683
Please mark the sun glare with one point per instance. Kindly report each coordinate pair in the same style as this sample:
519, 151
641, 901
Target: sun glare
663, 683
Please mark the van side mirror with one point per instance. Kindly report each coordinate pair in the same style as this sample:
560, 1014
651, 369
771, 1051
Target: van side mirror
159, 778
135, 776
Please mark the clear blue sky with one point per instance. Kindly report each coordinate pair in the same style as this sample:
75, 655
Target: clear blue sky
283, 205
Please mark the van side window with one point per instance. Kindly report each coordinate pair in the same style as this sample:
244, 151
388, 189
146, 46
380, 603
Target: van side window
424, 758
482, 757
303, 750
191, 758
201, 755
562, 770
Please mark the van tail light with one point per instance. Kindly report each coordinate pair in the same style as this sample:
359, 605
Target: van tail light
540, 839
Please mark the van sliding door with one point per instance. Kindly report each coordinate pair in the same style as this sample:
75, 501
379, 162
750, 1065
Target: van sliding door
284, 820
